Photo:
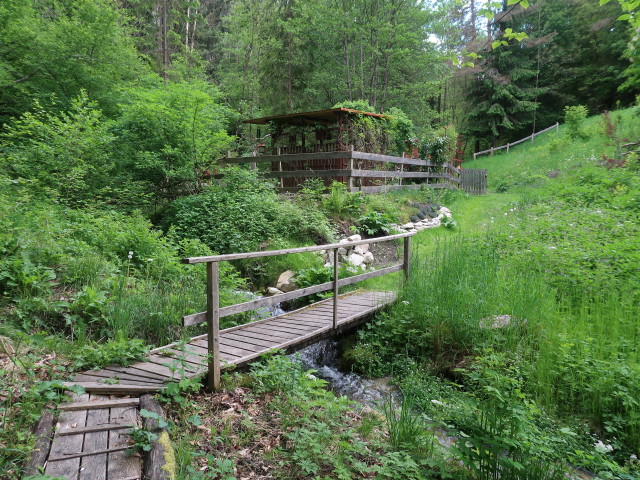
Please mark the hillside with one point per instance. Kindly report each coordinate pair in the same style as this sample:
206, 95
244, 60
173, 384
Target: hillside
518, 330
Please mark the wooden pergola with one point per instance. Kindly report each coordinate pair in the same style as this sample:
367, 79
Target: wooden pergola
343, 145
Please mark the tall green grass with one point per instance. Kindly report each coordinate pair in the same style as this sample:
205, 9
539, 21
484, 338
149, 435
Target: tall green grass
579, 359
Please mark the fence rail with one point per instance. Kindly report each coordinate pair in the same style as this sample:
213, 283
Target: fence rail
509, 145
215, 312
351, 167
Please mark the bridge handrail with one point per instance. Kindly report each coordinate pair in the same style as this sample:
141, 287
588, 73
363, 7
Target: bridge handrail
286, 251
214, 312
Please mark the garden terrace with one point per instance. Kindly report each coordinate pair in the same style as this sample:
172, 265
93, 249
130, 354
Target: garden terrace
342, 145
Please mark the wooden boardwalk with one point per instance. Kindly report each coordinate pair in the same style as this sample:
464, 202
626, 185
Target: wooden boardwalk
91, 440
238, 345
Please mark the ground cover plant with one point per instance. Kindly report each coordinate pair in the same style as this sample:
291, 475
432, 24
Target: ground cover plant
279, 421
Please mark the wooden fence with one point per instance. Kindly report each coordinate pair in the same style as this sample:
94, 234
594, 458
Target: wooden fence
509, 145
214, 312
474, 181
359, 171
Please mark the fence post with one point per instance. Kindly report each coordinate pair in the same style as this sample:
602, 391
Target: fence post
557, 127
508, 145
280, 168
492, 151
533, 135
213, 326
335, 288
474, 155
406, 254
351, 173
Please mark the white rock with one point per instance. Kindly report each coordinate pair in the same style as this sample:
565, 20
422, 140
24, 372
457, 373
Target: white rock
354, 238
444, 210
344, 240
407, 226
274, 291
413, 230
367, 258
355, 259
434, 223
342, 251
361, 249
285, 281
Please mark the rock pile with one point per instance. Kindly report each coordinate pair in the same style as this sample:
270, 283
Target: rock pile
430, 216
357, 257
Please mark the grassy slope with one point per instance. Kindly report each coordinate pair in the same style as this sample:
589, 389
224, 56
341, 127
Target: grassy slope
554, 238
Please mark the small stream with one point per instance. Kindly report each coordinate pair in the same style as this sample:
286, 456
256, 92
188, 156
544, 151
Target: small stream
323, 356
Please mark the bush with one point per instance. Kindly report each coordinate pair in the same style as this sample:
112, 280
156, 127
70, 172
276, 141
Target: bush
342, 204
241, 213
435, 150
121, 351
574, 118
92, 274
374, 224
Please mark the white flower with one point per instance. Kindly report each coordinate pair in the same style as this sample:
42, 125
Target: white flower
149, 259
437, 402
603, 447
633, 457
130, 255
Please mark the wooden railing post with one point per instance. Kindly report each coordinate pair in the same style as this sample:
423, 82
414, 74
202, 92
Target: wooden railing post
213, 326
335, 288
407, 255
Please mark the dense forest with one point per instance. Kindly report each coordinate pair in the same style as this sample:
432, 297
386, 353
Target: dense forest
512, 351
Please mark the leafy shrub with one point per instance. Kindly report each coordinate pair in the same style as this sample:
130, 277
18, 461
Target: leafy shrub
501, 439
121, 351
436, 150
374, 224
278, 373
66, 156
502, 186
240, 213
448, 222
340, 203
169, 135
92, 273
574, 118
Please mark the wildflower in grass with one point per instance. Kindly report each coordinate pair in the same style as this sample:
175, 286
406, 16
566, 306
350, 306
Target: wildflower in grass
130, 255
603, 447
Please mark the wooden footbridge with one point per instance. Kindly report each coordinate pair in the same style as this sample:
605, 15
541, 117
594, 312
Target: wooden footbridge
88, 438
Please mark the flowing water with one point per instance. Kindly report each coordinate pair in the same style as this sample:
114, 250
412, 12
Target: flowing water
324, 356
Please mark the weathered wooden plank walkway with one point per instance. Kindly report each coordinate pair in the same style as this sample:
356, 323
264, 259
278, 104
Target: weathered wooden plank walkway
238, 345
91, 440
